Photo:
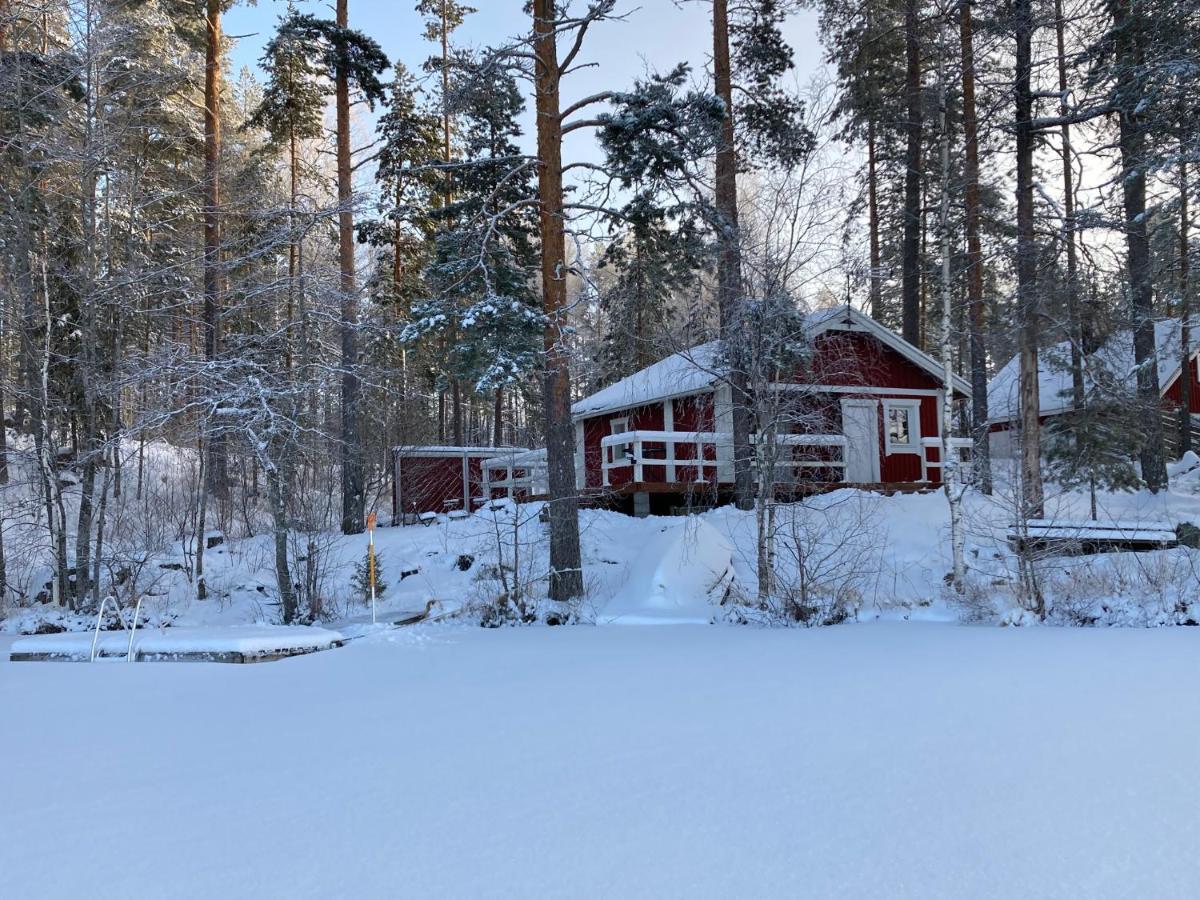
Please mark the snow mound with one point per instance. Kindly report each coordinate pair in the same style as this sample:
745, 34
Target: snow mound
680, 572
1184, 465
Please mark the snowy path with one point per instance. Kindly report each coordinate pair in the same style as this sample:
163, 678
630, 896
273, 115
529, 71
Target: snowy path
861, 761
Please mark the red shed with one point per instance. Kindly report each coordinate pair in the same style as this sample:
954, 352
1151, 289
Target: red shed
865, 409
439, 479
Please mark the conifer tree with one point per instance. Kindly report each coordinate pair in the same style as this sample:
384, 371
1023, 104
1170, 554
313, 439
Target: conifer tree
480, 278
291, 111
442, 19
655, 257
348, 58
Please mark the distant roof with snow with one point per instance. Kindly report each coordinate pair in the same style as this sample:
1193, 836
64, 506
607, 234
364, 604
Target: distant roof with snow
1112, 364
695, 370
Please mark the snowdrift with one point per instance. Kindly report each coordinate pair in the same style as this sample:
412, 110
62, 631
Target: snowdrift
678, 576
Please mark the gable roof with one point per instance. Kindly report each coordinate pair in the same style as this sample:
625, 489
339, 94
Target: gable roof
698, 369
680, 374
1112, 365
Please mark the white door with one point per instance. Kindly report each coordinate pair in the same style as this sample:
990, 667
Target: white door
860, 425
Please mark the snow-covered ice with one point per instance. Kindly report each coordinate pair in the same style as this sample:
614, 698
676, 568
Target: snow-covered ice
879, 760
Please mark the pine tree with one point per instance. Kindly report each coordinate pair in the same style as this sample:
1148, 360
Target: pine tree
291, 111
348, 58
748, 52
655, 258
442, 19
408, 184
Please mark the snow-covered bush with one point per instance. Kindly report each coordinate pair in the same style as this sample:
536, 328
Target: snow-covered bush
1130, 589
824, 562
311, 561
506, 590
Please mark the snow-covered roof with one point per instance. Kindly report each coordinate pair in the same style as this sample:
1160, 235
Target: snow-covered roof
1111, 364
695, 370
515, 457
680, 374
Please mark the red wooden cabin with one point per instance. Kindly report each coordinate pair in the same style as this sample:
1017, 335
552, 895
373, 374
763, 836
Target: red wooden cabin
865, 409
1110, 372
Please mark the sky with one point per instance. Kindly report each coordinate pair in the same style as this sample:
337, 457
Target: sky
656, 35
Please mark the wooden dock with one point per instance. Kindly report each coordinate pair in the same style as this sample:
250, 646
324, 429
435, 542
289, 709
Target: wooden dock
236, 644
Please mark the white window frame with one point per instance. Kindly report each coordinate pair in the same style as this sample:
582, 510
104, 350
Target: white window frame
620, 425
913, 409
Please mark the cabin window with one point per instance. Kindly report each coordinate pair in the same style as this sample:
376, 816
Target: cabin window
620, 426
902, 421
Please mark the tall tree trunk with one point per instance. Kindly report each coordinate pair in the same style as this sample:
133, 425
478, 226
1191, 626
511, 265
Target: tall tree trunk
1074, 313
498, 419
1185, 312
456, 407
566, 565
456, 394
201, 523
277, 489
398, 251
949, 455
216, 471
911, 256
3, 558
1132, 143
293, 249
353, 496
1027, 288
876, 283
85, 368
729, 263
56, 512
98, 555
975, 302
3, 425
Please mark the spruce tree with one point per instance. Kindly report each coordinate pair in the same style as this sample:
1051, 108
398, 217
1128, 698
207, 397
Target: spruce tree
348, 59
480, 277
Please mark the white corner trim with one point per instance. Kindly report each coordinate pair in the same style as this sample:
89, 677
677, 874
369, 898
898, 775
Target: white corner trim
669, 425
580, 457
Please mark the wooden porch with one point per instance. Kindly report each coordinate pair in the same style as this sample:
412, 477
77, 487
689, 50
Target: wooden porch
691, 461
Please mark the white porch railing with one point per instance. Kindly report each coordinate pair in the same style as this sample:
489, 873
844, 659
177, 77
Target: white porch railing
627, 448
523, 471
957, 445
786, 467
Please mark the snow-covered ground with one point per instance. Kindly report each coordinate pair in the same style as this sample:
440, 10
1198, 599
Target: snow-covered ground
878, 760
858, 555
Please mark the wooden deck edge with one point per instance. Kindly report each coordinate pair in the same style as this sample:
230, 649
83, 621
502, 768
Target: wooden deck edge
686, 488
235, 657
